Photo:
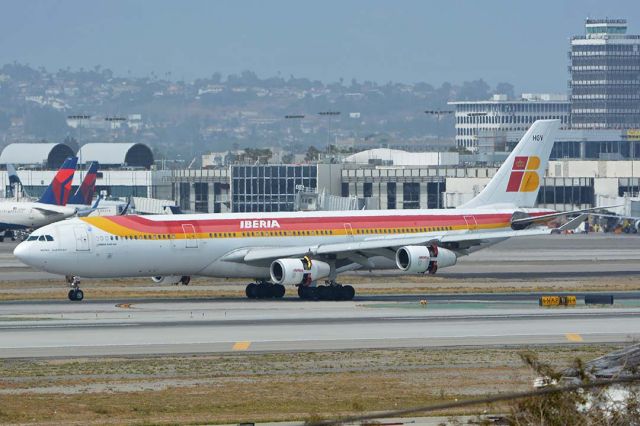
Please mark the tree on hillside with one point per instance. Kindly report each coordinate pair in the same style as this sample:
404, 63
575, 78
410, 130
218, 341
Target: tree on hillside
312, 154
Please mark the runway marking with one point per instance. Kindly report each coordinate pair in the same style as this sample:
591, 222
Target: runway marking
241, 346
573, 337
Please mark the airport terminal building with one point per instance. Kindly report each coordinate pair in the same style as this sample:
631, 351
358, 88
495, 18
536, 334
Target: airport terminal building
569, 184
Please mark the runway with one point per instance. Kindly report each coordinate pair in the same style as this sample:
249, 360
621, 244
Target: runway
147, 326
105, 329
554, 256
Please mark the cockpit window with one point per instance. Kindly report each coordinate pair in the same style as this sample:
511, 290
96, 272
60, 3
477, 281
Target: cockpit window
42, 238
32, 238
49, 237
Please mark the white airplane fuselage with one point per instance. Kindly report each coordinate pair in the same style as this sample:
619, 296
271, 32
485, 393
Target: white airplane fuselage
214, 244
30, 214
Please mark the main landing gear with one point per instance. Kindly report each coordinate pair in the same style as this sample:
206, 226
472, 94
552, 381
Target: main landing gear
264, 290
75, 294
331, 291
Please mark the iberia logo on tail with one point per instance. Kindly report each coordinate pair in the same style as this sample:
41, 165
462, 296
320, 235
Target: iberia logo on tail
524, 176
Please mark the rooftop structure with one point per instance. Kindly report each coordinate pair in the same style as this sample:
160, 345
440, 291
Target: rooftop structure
45, 155
134, 155
386, 156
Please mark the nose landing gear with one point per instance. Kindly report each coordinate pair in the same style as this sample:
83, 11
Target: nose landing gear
75, 294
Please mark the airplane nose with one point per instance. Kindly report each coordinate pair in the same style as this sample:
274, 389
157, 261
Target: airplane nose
22, 252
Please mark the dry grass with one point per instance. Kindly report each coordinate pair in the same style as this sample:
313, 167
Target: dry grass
364, 284
259, 387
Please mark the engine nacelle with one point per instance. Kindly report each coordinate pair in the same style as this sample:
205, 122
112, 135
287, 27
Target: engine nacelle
298, 271
423, 259
168, 280
637, 225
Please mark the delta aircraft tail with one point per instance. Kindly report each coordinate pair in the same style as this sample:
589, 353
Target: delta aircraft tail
84, 193
517, 181
57, 193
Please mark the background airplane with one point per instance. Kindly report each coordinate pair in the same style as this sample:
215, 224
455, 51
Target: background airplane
51, 207
15, 183
301, 248
82, 198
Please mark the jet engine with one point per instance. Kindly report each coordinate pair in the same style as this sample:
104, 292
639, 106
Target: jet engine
424, 259
171, 280
298, 271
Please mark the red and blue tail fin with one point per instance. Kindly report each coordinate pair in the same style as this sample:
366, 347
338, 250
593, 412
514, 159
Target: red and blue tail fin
84, 193
57, 193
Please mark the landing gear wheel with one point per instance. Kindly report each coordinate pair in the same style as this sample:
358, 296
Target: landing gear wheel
278, 291
76, 295
262, 291
336, 292
251, 291
185, 280
348, 292
327, 292
324, 292
308, 293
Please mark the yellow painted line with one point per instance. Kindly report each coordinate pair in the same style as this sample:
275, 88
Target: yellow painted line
241, 346
573, 337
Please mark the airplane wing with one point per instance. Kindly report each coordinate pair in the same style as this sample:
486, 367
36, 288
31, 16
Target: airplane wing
376, 246
47, 212
547, 217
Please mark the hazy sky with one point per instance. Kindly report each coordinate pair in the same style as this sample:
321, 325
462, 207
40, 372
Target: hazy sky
522, 42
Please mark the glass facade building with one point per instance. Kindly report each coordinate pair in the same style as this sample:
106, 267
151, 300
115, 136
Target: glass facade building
270, 188
605, 76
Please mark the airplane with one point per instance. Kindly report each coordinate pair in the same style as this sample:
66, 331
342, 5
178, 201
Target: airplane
82, 198
51, 207
301, 248
14, 182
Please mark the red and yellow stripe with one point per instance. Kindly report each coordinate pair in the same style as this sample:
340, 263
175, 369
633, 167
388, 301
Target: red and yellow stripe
142, 227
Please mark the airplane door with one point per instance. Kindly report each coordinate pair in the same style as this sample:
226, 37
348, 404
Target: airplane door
348, 230
191, 239
82, 238
472, 224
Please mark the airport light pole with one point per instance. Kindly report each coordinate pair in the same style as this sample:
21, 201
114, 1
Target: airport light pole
293, 117
438, 114
329, 115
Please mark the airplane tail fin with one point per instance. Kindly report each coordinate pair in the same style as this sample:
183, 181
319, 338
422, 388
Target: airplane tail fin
517, 181
57, 193
13, 175
84, 193
14, 181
